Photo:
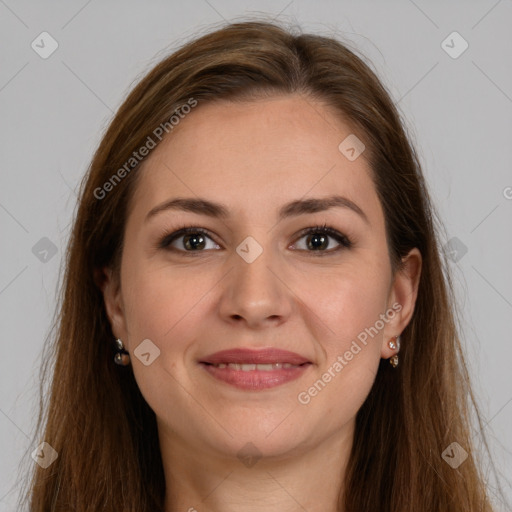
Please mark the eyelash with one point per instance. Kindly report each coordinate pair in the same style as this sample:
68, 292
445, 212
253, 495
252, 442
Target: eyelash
343, 240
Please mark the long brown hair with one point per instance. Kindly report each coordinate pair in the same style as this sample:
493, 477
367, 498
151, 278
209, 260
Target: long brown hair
97, 420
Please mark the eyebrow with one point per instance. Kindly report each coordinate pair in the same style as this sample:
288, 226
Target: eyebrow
294, 208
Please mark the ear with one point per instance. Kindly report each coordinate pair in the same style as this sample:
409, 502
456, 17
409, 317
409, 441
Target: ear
110, 286
402, 298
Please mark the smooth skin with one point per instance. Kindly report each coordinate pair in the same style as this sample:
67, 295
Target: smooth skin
190, 302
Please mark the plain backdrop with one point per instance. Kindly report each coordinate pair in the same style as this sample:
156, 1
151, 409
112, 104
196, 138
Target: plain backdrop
456, 101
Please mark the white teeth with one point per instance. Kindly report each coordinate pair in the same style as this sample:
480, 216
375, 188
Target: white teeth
250, 367
266, 367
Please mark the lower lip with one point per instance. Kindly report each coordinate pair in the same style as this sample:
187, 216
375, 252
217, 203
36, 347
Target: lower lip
255, 380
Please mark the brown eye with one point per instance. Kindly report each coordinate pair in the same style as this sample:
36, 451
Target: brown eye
317, 240
194, 240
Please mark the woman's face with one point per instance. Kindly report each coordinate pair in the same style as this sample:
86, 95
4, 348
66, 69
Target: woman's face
255, 281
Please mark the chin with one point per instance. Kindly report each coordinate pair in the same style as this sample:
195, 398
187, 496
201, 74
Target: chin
250, 449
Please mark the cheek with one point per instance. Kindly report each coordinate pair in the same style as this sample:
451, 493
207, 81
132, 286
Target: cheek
165, 304
351, 350
349, 302
165, 307
153, 304
337, 301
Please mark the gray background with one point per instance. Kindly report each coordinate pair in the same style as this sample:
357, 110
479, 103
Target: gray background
54, 110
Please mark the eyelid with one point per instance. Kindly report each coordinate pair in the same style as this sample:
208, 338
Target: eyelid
343, 240
164, 241
167, 238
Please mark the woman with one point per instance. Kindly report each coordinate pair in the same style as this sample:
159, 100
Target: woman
255, 314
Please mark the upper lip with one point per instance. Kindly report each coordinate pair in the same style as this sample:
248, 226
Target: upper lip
255, 356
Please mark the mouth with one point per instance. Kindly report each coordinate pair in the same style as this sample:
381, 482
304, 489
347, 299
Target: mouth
249, 367
254, 370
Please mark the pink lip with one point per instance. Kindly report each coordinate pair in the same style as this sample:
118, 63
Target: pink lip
254, 380
252, 356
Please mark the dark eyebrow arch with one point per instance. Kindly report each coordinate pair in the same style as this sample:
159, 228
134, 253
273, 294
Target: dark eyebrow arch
295, 208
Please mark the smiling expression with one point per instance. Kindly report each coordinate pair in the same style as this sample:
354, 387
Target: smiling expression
248, 181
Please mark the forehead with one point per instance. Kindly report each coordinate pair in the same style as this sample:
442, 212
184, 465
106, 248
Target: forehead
255, 156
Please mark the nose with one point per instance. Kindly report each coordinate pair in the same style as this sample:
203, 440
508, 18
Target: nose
256, 293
